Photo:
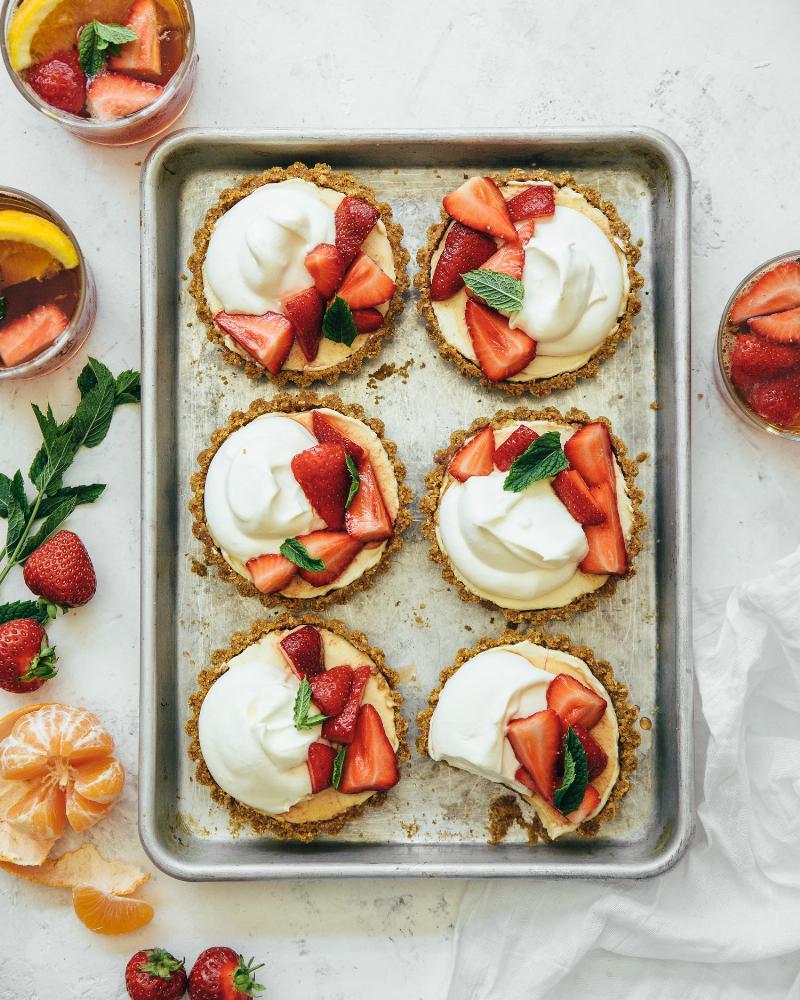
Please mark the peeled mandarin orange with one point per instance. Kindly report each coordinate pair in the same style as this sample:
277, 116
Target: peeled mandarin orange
59, 760
108, 913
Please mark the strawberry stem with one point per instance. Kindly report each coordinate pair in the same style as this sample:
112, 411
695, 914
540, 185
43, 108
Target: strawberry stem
243, 977
43, 665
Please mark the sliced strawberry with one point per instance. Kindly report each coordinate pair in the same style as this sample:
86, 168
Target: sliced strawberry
536, 742
572, 491
325, 265
775, 290
464, 250
501, 351
596, 757
573, 702
331, 689
325, 432
777, 399
322, 474
475, 458
342, 728
271, 573
320, 766
509, 259
367, 320
783, 327
607, 550
756, 356
336, 549
29, 335
532, 202
60, 82
589, 451
354, 220
370, 763
303, 649
365, 284
267, 338
525, 230
111, 96
590, 802
143, 56
479, 204
304, 311
367, 518
513, 446
522, 776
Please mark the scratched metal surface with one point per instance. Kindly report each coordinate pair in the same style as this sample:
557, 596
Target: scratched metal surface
434, 821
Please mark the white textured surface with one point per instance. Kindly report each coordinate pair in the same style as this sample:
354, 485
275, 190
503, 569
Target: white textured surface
719, 77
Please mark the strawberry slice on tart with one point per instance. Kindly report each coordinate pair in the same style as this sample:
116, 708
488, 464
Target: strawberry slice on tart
479, 204
501, 351
303, 649
326, 266
533, 201
464, 250
475, 458
514, 445
322, 474
334, 549
304, 311
355, 219
370, 763
367, 518
267, 338
365, 284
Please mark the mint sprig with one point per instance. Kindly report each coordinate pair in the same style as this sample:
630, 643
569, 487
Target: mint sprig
98, 41
338, 767
542, 459
499, 291
32, 522
296, 552
302, 705
355, 480
338, 324
576, 775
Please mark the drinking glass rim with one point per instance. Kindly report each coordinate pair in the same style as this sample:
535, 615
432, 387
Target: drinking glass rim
88, 124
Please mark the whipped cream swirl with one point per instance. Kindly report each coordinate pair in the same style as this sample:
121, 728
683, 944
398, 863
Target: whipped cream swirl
468, 726
253, 503
256, 254
247, 732
505, 545
574, 285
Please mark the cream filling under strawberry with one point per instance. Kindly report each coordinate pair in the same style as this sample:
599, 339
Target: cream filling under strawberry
253, 503
576, 289
519, 550
260, 259
250, 743
468, 726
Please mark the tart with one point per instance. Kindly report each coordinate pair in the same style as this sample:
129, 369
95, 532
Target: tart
300, 499
534, 512
541, 717
296, 726
528, 281
298, 274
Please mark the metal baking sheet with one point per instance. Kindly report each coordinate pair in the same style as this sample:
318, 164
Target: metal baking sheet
434, 821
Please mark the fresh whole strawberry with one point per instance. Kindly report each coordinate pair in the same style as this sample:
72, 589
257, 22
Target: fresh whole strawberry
26, 659
154, 974
221, 974
61, 571
60, 82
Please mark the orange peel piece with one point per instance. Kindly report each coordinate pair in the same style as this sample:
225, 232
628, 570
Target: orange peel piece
85, 866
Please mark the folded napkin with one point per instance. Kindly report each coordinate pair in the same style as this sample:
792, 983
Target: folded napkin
725, 922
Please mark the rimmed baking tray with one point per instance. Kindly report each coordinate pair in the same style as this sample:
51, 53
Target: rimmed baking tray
434, 822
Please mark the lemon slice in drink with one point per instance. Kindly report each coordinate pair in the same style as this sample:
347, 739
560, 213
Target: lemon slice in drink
27, 20
40, 28
30, 247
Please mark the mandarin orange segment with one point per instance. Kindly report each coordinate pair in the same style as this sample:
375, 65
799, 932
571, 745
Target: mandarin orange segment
83, 813
40, 813
19, 760
99, 780
8, 722
105, 913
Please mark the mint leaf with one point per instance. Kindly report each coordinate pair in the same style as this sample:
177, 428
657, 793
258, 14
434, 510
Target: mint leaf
24, 609
2, 307
59, 513
5, 493
296, 552
338, 324
576, 775
542, 459
95, 410
499, 291
98, 41
128, 388
17, 511
338, 767
82, 494
302, 703
355, 480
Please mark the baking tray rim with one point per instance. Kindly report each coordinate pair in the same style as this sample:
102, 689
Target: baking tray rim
680, 836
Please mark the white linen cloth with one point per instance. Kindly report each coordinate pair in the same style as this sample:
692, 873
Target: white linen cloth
725, 922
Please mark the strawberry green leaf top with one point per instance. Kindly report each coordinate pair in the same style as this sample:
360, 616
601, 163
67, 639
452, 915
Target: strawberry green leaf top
98, 41
542, 459
576, 775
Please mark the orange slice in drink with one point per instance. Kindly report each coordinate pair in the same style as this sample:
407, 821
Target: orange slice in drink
108, 913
